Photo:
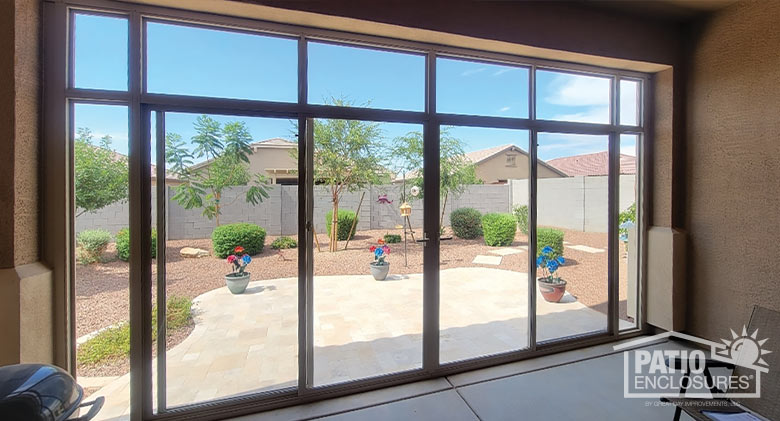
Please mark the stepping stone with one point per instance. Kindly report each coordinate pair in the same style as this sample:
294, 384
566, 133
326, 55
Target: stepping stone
586, 249
506, 251
487, 260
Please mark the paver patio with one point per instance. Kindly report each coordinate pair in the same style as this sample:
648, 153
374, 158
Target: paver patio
246, 343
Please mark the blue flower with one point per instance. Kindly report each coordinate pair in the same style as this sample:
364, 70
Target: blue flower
547, 250
627, 224
246, 259
561, 260
378, 252
624, 238
540, 261
552, 266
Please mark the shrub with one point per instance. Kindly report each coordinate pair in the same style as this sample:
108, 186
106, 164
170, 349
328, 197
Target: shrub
225, 238
392, 238
284, 243
466, 223
92, 244
123, 244
521, 214
114, 342
549, 237
628, 215
499, 229
346, 218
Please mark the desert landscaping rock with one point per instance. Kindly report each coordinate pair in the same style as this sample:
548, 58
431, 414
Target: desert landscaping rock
191, 252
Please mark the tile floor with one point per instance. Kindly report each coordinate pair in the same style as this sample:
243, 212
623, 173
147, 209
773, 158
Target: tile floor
248, 343
586, 384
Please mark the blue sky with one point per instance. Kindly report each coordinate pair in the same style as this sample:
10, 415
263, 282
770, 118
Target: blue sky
193, 61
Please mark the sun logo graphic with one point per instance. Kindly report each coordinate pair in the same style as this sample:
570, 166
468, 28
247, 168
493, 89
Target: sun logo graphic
744, 350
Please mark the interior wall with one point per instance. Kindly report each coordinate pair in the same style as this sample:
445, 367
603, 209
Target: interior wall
26, 302
733, 167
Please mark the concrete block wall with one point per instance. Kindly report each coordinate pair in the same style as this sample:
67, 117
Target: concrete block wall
578, 203
112, 218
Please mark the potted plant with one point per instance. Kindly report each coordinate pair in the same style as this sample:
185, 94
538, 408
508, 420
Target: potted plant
551, 286
239, 279
379, 267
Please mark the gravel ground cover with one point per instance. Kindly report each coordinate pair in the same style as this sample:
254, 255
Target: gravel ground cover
102, 293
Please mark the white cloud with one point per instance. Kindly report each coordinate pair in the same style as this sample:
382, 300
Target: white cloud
504, 109
598, 114
473, 71
572, 90
500, 72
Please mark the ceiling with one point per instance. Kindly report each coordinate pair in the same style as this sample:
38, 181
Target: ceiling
674, 10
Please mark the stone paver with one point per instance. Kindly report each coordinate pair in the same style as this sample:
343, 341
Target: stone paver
586, 249
487, 260
506, 251
248, 343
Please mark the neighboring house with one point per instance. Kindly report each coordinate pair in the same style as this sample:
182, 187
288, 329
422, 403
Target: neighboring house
271, 158
592, 164
498, 164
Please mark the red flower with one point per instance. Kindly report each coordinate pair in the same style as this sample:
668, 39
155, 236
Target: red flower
381, 241
239, 249
372, 249
231, 258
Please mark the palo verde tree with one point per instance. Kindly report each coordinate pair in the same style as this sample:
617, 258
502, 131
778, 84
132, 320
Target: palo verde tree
100, 174
225, 150
348, 156
456, 171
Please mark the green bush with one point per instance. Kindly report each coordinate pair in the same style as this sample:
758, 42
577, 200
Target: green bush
627, 215
466, 223
284, 243
114, 342
521, 214
549, 237
499, 229
392, 238
123, 244
92, 244
225, 238
346, 218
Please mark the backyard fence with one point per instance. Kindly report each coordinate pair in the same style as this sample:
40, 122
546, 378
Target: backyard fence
578, 203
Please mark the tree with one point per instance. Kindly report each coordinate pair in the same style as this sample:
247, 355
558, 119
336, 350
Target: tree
347, 157
456, 171
226, 152
100, 174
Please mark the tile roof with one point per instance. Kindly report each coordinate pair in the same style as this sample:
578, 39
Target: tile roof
592, 164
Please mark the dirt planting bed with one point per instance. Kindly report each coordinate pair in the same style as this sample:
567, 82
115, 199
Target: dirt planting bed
102, 289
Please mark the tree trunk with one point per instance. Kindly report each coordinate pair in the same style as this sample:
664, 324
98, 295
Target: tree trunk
334, 225
441, 219
217, 196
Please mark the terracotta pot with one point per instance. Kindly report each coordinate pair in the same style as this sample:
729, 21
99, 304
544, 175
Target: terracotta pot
552, 292
379, 271
237, 282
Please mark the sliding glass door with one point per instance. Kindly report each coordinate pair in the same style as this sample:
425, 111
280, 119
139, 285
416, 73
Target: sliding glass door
310, 213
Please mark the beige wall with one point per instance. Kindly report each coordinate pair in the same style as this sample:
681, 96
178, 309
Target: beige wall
495, 168
264, 158
733, 167
25, 285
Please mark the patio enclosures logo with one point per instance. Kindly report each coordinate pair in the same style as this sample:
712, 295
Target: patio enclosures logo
658, 371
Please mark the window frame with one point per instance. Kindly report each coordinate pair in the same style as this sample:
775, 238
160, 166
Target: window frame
61, 93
